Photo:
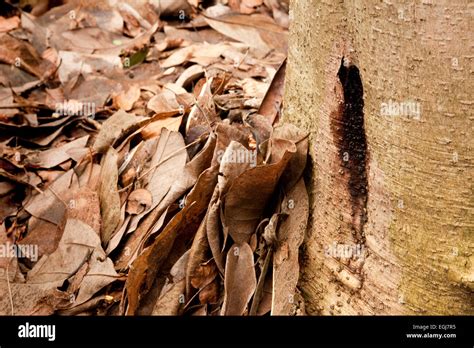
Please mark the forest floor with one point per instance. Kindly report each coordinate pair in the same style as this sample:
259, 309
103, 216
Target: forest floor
143, 169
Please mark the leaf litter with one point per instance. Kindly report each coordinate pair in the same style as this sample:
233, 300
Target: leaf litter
144, 168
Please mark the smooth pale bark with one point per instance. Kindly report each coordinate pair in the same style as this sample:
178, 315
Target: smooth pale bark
415, 222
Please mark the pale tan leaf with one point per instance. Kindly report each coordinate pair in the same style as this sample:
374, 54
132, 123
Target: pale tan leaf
169, 303
108, 195
154, 128
271, 103
240, 279
138, 201
234, 161
249, 6
79, 244
297, 163
112, 128
55, 156
256, 30
30, 299
285, 261
164, 102
189, 75
84, 205
101, 273
75, 247
125, 99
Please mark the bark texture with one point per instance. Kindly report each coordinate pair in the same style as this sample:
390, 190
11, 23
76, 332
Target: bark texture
398, 186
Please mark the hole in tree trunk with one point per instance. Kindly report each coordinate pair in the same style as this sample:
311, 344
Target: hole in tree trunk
349, 136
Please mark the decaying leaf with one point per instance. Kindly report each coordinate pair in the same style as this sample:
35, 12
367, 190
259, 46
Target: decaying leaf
113, 128
257, 30
30, 299
125, 99
297, 163
55, 156
285, 260
195, 271
169, 303
109, 196
240, 279
154, 128
84, 205
138, 201
242, 208
141, 276
272, 101
76, 245
213, 230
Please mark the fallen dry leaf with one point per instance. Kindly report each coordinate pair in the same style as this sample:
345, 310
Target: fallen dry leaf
125, 99
242, 208
271, 103
257, 30
213, 231
240, 279
55, 156
84, 205
195, 272
30, 299
108, 195
297, 163
285, 260
113, 128
139, 201
154, 128
75, 248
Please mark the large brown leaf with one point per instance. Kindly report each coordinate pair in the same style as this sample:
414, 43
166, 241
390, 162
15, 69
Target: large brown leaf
197, 252
247, 197
75, 248
174, 183
55, 156
240, 279
49, 210
113, 128
256, 30
21, 55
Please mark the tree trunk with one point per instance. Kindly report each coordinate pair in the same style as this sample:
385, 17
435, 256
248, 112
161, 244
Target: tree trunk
385, 90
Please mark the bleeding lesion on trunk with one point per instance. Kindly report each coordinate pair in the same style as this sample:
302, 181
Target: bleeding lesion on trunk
348, 132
